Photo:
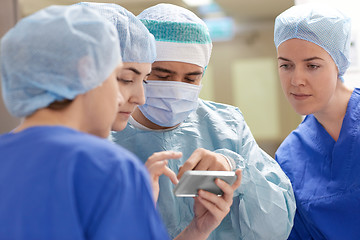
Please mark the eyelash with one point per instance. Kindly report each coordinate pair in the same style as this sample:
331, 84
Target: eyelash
190, 80
165, 77
129, 81
162, 77
124, 80
288, 66
313, 66
285, 66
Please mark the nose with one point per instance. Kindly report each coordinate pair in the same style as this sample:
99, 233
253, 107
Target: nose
138, 96
298, 77
120, 99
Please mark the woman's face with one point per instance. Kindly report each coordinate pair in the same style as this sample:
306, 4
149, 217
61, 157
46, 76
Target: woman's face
308, 75
101, 105
130, 83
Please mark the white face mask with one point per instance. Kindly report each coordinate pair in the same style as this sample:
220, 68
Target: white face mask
169, 103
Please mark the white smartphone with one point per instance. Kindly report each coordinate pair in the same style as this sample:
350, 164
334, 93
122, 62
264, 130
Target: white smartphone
192, 181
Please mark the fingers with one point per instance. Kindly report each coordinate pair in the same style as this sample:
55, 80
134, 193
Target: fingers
227, 189
237, 183
157, 165
191, 162
203, 159
159, 168
224, 202
164, 155
216, 205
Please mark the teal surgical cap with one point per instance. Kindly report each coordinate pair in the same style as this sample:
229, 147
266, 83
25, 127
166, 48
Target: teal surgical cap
137, 44
54, 54
319, 24
180, 35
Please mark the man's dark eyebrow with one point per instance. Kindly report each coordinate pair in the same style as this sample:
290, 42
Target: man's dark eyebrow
164, 70
194, 73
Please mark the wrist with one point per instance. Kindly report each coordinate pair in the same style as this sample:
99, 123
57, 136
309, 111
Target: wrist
192, 232
195, 232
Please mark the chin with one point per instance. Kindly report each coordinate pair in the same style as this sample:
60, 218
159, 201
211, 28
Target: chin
302, 110
118, 126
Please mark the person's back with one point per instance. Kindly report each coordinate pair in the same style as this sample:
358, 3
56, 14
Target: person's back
58, 183
59, 177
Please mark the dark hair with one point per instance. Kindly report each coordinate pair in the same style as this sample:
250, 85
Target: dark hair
60, 105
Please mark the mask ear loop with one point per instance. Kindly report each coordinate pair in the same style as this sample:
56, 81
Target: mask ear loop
204, 71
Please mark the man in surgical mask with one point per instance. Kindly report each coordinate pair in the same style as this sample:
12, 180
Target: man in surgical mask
210, 136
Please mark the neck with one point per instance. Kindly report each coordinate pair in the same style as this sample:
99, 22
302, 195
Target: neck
71, 117
331, 118
140, 118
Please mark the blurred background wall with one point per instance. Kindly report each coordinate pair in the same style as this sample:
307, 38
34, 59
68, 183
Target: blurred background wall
9, 15
243, 67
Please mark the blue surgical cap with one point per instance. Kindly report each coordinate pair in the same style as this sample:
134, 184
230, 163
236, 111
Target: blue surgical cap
56, 53
180, 35
137, 44
324, 26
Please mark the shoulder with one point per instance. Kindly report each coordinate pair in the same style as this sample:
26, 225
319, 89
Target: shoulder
85, 151
210, 108
102, 164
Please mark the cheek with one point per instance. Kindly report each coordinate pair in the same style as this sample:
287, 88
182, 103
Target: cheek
124, 92
114, 96
284, 81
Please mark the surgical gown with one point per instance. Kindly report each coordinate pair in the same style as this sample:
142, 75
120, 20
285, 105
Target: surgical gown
264, 205
58, 183
325, 177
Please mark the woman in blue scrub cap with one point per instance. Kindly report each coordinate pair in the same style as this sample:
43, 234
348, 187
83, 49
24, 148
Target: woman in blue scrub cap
59, 178
321, 157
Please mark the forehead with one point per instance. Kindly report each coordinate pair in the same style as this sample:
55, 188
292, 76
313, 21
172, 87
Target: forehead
298, 48
142, 68
177, 67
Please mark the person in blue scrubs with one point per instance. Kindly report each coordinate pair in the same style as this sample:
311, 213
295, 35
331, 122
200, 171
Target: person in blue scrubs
59, 177
210, 136
321, 157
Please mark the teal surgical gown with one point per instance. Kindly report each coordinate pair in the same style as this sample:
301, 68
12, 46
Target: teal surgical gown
57, 183
325, 175
264, 205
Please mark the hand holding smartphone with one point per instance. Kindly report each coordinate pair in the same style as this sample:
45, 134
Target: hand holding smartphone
192, 181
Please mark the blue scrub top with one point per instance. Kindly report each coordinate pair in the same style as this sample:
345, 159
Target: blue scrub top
264, 204
325, 176
58, 183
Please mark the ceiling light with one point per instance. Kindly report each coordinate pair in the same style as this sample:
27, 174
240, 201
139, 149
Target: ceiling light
197, 3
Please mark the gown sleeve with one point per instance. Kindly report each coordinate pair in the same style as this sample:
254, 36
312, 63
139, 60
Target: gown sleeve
264, 204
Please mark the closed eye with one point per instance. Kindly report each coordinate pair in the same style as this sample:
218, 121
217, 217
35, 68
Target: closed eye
190, 80
124, 80
162, 77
